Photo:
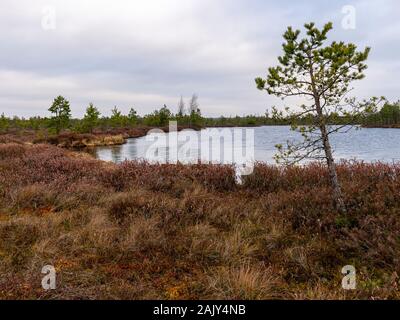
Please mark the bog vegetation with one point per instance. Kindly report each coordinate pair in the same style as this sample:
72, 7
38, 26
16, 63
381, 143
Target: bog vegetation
134, 231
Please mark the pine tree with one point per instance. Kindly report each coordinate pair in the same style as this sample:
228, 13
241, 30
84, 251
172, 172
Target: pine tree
321, 74
164, 115
61, 114
91, 118
132, 117
116, 118
4, 122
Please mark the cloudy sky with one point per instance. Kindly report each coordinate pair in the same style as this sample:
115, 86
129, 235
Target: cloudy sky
143, 54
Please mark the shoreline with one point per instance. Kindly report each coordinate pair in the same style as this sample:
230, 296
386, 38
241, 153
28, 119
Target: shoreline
116, 136
109, 137
389, 126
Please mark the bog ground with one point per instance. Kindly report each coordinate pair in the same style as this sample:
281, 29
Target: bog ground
141, 231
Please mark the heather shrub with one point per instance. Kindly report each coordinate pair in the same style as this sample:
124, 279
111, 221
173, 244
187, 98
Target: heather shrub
196, 203
189, 232
163, 177
115, 178
375, 239
66, 139
16, 241
137, 203
263, 178
12, 150
35, 196
307, 210
270, 178
125, 205
10, 139
82, 193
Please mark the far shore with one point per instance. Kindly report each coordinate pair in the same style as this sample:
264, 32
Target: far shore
382, 126
115, 136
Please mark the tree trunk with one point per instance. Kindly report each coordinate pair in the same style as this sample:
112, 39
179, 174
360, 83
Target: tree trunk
337, 191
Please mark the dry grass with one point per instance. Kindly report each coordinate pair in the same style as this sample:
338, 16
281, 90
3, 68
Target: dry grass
248, 282
141, 231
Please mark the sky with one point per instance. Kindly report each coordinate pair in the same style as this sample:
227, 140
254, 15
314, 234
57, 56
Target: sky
144, 54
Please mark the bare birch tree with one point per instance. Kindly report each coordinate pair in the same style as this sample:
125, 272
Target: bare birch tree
181, 107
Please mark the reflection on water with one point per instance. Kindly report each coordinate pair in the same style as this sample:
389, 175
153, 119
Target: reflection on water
119, 153
372, 144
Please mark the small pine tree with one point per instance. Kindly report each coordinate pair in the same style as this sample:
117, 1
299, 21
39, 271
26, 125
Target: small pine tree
164, 115
61, 114
4, 122
116, 118
91, 118
320, 73
132, 117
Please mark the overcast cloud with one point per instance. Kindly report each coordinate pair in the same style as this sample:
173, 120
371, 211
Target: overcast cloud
143, 54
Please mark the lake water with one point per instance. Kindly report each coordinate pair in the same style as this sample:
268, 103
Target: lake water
368, 144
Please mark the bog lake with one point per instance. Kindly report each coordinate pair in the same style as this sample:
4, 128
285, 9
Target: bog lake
366, 144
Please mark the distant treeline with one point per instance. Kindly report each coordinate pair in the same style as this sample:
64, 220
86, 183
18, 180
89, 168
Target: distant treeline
387, 116
61, 118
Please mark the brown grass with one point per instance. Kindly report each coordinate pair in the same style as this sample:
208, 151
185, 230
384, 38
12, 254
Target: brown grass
141, 231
